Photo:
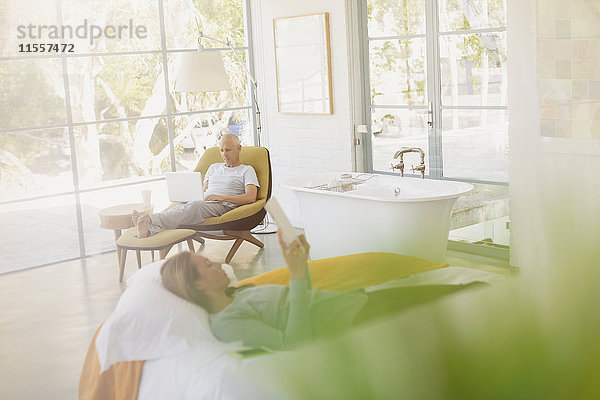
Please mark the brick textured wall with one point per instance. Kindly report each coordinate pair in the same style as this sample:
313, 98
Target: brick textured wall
302, 144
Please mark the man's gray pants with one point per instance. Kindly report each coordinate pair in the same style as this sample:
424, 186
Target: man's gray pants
190, 213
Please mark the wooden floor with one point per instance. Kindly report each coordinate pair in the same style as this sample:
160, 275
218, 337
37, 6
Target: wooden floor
49, 314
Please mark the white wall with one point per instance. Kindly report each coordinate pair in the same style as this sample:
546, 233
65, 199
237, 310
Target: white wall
554, 181
301, 144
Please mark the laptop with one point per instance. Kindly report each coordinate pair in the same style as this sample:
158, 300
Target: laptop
184, 186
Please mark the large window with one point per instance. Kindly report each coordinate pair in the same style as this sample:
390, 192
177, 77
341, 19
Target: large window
86, 129
437, 81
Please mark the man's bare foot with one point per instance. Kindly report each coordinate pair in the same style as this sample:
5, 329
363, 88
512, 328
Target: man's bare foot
135, 216
142, 222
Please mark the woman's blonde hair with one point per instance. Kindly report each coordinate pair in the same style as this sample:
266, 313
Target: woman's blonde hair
178, 276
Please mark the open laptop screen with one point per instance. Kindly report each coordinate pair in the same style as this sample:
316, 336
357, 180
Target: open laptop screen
184, 186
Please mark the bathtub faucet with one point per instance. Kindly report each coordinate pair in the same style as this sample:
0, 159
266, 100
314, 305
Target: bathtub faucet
419, 168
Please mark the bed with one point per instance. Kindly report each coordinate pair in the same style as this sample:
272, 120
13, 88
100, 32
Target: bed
156, 345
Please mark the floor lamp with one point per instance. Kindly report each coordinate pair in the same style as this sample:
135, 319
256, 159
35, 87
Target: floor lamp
203, 71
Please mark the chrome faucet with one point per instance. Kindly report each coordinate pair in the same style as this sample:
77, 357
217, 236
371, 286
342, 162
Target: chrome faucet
420, 168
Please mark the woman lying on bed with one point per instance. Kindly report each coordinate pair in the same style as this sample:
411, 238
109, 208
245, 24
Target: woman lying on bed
275, 316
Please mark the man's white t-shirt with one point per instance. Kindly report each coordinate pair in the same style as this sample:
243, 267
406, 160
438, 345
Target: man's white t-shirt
229, 181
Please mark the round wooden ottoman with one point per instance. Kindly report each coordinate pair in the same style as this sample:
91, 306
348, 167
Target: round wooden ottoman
162, 241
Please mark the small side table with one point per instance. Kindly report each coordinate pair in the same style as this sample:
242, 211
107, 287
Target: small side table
118, 218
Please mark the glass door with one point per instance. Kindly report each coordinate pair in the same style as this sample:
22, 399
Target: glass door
473, 84
437, 81
473, 114
399, 81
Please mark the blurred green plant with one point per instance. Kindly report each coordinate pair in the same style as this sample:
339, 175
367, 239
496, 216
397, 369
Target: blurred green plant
535, 337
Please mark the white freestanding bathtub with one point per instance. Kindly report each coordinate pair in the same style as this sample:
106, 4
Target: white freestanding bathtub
409, 216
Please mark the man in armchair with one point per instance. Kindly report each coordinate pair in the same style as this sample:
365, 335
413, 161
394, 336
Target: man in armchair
226, 185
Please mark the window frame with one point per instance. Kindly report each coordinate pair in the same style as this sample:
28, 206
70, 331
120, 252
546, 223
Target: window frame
433, 72
69, 125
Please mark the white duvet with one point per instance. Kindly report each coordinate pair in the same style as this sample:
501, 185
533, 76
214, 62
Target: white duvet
212, 372
196, 374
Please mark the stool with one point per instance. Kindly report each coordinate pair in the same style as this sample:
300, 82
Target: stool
118, 218
163, 242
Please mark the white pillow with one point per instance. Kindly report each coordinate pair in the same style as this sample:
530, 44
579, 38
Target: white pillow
150, 322
150, 272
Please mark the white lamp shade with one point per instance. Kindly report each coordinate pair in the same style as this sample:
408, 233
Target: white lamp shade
201, 71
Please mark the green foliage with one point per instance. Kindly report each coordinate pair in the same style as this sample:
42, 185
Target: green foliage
110, 152
131, 79
486, 14
387, 57
160, 137
391, 117
31, 91
405, 17
221, 20
374, 93
397, 18
43, 151
26, 98
398, 57
225, 19
473, 49
535, 337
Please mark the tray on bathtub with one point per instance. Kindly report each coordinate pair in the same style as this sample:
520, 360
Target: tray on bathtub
346, 183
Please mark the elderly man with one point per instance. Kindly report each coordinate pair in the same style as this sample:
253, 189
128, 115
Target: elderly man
226, 185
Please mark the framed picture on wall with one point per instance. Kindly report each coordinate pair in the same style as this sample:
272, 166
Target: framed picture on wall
303, 64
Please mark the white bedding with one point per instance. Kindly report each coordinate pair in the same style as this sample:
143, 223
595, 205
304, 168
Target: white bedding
196, 374
211, 372
183, 358
441, 276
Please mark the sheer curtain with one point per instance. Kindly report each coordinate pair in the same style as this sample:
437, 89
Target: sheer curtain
554, 133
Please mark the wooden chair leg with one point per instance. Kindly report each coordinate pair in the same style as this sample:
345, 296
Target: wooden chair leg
164, 251
117, 233
245, 235
138, 254
190, 243
122, 259
236, 245
199, 238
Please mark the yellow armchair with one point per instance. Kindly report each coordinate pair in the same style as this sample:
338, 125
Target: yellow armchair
237, 223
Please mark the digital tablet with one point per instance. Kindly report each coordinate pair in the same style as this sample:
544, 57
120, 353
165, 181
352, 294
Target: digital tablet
288, 233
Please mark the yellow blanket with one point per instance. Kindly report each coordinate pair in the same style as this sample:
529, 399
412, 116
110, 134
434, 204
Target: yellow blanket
121, 381
351, 272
